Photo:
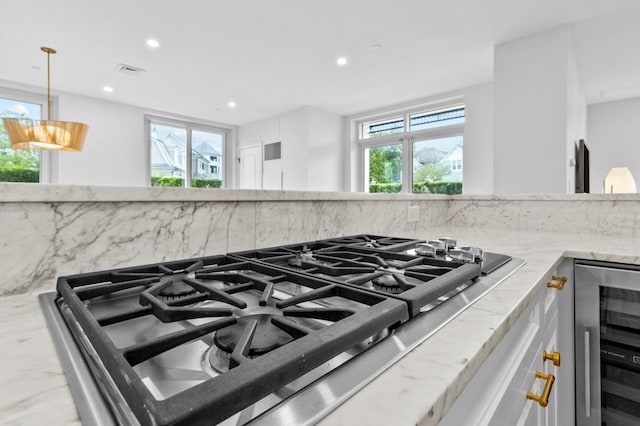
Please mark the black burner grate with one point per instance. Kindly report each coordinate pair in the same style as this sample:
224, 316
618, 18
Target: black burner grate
255, 322
243, 301
417, 280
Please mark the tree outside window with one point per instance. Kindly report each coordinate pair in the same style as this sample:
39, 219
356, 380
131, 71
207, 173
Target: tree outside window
18, 165
385, 168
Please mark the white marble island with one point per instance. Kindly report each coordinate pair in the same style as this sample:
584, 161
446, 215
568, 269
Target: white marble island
423, 385
538, 229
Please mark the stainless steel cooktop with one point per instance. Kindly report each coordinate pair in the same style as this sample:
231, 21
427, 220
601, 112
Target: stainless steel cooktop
280, 335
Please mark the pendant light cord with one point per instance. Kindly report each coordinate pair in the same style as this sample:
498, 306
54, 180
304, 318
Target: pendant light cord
48, 86
48, 51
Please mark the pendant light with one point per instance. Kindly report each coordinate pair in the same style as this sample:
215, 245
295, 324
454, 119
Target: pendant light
45, 134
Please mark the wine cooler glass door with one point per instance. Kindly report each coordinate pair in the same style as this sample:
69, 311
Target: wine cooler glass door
608, 328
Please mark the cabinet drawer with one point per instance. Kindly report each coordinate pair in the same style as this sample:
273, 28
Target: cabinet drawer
514, 404
499, 387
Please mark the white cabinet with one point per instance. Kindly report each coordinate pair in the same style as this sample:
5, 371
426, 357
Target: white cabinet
497, 394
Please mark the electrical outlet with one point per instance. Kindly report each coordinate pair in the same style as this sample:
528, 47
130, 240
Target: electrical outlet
413, 213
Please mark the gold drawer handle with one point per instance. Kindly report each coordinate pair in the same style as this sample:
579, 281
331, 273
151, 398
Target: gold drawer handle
554, 356
543, 399
557, 282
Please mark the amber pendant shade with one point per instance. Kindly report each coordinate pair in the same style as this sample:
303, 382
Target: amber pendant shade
45, 134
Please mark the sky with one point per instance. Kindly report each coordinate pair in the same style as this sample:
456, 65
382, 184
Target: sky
11, 108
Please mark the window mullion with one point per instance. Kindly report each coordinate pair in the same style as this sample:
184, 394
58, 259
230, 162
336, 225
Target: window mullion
406, 164
188, 161
406, 155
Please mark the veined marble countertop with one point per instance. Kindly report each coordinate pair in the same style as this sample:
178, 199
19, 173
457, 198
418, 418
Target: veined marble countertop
29, 192
418, 389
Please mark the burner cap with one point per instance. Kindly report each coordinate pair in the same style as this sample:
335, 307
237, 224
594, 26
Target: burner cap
177, 289
266, 337
387, 283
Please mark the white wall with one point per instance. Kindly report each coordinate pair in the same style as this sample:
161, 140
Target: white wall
613, 139
294, 132
325, 151
576, 120
531, 90
114, 151
477, 175
311, 149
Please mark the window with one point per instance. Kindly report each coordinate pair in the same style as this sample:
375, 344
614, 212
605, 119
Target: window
172, 142
383, 128
421, 150
18, 165
436, 119
384, 168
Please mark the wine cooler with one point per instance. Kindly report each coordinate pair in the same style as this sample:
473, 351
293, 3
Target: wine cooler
607, 334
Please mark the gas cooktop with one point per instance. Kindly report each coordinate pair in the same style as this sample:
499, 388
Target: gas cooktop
248, 337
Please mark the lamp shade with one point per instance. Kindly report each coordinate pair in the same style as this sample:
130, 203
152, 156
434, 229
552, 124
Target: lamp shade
619, 180
45, 134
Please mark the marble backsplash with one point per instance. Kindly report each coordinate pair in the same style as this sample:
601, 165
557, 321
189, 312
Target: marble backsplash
609, 215
41, 240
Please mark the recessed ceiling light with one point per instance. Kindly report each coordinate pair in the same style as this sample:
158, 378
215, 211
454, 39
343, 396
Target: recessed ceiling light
108, 89
231, 104
341, 61
376, 46
153, 43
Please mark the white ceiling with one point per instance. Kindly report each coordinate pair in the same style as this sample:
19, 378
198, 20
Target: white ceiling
273, 56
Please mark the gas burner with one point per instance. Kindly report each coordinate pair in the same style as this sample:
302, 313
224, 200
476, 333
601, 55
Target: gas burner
392, 283
266, 336
216, 361
177, 290
387, 283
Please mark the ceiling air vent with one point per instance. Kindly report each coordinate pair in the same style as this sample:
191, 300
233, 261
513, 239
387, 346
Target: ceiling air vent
272, 151
129, 69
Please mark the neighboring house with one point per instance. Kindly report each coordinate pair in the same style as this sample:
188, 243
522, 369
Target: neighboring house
168, 154
451, 159
213, 158
167, 157
454, 161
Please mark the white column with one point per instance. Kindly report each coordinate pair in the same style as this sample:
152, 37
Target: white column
539, 114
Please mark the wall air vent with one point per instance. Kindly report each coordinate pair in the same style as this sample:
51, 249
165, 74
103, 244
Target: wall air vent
129, 69
273, 151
